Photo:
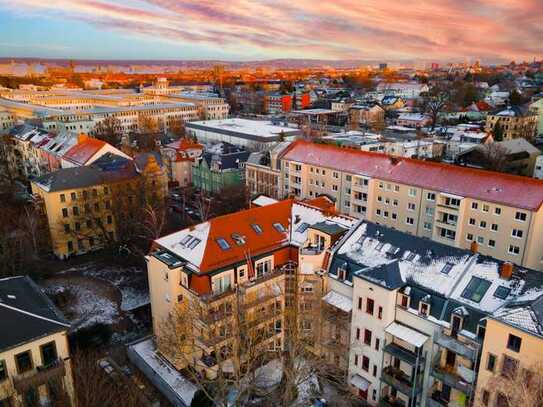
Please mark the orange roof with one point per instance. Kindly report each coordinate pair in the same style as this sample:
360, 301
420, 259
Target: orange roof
84, 150
322, 202
185, 144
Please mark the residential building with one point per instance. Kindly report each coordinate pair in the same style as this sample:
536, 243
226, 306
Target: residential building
7, 121
416, 120
538, 168
392, 103
212, 106
250, 258
367, 116
179, 157
277, 103
404, 90
419, 311
447, 203
220, 167
536, 106
81, 203
512, 123
512, 353
516, 156
35, 363
263, 172
255, 135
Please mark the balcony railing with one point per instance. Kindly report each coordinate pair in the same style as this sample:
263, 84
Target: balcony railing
458, 347
403, 354
399, 380
447, 376
39, 376
311, 251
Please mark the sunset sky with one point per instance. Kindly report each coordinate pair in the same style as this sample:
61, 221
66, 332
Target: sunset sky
441, 30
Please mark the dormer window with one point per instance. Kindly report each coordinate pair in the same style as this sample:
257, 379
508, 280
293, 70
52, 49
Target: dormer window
240, 240
257, 228
280, 228
424, 306
342, 272
223, 244
456, 324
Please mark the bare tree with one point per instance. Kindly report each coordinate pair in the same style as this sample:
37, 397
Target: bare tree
522, 386
109, 130
434, 104
494, 156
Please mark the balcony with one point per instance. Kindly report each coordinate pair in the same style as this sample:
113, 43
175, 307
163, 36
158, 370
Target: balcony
435, 400
388, 401
458, 347
447, 376
311, 251
398, 380
39, 376
403, 354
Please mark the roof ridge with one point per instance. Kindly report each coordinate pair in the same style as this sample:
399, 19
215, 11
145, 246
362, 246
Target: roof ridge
33, 315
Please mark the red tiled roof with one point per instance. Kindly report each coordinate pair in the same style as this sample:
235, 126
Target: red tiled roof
322, 202
505, 189
83, 151
184, 144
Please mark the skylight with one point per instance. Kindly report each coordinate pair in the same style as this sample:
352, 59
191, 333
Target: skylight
379, 246
240, 240
257, 228
280, 228
302, 228
476, 289
410, 256
223, 244
185, 240
502, 292
447, 268
193, 243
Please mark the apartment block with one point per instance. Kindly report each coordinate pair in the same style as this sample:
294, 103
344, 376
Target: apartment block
247, 266
81, 204
35, 363
513, 122
421, 313
263, 172
446, 203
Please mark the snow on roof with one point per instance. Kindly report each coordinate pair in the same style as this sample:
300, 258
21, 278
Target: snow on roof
146, 350
359, 382
263, 200
406, 334
505, 189
338, 300
258, 128
413, 117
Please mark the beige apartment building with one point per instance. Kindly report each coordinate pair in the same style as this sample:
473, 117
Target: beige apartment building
446, 203
35, 364
514, 122
263, 172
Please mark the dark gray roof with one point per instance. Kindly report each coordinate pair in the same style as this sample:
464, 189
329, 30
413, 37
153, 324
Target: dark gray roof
26, 313
386, 275
330, 228
108, 168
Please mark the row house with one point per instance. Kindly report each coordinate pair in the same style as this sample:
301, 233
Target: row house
446, 203
241, 272
420, 315
35, 362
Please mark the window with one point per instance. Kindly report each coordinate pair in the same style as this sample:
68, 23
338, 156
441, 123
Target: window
486, 208
62, 198
73, 195
365, 363
409, 221
257, 228
412, 192
491, 243
514, 250
369, 306
367, 337
480, 239
358, 334
374, 371
429, 211
502, 292
520, 216
377, 343
396, 188
494, 227
75, 211
474, 205
70, 246
48, 353
469, 237
280, 228
359, 302
471, 221
476, 289
517, 233
404, 300
485, 397
3, 371
64, 212
424, 307
411, 206
265, 267
514, 342
356, 360
66, 228
24, 362
509, 367
497, 211
380, 313
482, 224
223, 244
430, 196
491, 362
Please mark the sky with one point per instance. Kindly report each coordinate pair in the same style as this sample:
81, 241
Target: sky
380, 30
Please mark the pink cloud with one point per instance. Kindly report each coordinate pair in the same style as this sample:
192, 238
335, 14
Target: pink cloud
362, 29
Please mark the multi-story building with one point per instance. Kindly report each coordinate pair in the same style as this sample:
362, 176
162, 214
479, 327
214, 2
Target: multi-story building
179, 157
7, 121
263, 172
512, 123
35, 364
404, 90
81, 203
537, 107
367, 116
446, 203
419, 312
240, 267
220, 167
211, 105
513, 354
255, 135
413, 120
277, 103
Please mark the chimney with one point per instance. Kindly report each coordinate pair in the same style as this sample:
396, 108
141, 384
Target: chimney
474, 247
506, 271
